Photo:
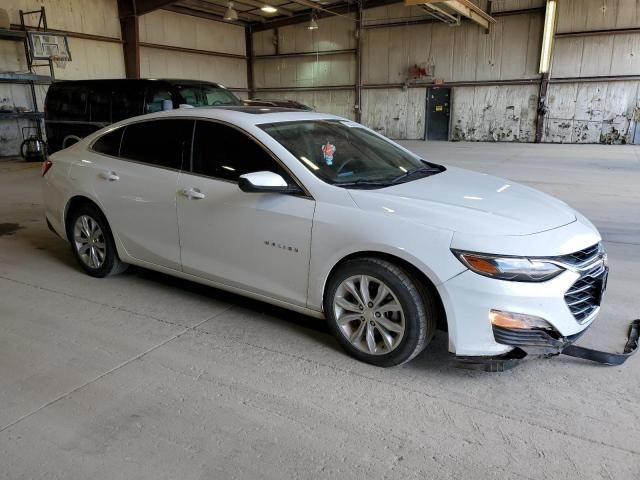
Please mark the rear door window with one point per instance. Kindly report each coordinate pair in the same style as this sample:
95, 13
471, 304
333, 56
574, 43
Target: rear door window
109, 144
163, 143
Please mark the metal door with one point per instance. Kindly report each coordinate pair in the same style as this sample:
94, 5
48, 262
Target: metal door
438, 111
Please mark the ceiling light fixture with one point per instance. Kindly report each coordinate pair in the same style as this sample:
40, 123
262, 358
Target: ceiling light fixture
547, 36
231, 13
269, 9
313, 24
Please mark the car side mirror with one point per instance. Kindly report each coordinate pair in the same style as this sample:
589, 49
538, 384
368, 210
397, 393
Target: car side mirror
264, 182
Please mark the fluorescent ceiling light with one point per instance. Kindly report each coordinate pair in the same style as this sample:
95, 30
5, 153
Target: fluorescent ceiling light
269, 9
547, 38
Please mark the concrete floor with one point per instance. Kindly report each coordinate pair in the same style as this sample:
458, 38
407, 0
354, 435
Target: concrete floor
144, 376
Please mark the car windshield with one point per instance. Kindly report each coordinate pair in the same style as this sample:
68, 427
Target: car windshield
204, 95
344, 153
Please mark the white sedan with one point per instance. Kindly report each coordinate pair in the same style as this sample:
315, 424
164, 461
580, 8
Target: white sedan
318, 214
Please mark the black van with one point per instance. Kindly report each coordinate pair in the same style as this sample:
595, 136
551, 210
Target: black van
76, 108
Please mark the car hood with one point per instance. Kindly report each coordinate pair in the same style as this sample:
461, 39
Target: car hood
469, 202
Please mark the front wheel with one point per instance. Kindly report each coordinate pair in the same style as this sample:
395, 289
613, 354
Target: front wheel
378, 313
92, 242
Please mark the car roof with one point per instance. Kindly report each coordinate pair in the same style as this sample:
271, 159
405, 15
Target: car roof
246, 115
111, 81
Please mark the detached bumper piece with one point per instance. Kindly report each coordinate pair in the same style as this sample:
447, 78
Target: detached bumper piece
608, 358
546, 343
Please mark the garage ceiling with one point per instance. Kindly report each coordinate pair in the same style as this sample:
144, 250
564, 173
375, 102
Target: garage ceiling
250, 11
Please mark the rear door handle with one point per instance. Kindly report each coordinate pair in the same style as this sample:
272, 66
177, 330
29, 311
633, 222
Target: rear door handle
192, 193
109, 175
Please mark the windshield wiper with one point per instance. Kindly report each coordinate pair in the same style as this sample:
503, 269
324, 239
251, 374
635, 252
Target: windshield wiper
415, 170
363, 183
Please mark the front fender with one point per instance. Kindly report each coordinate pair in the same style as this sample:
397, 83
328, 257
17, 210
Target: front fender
338, 233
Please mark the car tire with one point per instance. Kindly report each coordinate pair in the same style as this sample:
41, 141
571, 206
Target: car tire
92, 242
390, 330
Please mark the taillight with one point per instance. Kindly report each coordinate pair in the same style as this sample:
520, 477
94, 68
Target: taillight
46, 165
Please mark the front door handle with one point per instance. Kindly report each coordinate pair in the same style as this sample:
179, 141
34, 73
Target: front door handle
109, 175
192, 193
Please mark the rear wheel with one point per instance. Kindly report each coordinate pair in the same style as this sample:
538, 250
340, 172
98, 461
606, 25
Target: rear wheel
92, 242
378, 313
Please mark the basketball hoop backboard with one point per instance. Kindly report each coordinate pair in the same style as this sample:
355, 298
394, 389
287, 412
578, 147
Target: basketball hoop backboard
45, 45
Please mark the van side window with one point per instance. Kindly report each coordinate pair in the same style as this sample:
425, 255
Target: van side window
225, 152
126, 102
109, 143
67, 103
156, 97
100, 105
163, 143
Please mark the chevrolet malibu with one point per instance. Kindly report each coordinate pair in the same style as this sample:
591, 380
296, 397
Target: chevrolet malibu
318, 214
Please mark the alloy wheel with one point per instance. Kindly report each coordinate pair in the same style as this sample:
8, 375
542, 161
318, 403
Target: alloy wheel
89, 241
369, 314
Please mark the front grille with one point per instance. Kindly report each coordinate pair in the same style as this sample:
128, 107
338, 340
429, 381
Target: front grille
583, 257
583, 298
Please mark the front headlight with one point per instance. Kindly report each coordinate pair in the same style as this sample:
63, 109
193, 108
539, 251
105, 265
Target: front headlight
516, 269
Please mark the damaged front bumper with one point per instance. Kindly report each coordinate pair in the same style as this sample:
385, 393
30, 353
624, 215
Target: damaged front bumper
545, 343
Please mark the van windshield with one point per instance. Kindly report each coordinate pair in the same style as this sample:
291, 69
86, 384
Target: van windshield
204, 95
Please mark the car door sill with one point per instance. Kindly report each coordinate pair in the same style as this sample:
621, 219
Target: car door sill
223, 286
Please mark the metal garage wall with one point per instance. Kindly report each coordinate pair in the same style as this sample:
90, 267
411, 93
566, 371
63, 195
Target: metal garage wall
308, 74
196, 43
74, 17
596, 67
495, 113
591, 112
463, 54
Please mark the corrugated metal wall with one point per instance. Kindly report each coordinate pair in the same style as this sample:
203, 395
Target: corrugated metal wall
498, 98
303, 76
593, 111
186, 32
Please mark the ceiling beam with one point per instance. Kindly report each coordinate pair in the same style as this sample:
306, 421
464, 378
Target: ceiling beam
199, 14
461, 7
203, 9
309, 3
129, 8
327, 11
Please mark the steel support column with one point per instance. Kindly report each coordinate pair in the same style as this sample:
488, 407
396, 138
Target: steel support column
542, 106
248, 36
358, 89
130, 38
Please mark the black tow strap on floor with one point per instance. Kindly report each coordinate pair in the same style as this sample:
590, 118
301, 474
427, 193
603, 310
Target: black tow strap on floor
604, 357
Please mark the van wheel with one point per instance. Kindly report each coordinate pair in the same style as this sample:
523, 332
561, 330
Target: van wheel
92, 242
378, 313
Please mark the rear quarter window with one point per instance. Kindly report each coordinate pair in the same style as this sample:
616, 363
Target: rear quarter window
109, 143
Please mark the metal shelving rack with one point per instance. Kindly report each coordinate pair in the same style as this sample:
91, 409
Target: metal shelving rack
31, 79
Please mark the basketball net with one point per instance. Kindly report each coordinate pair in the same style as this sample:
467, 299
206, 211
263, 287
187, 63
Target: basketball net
60, 61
